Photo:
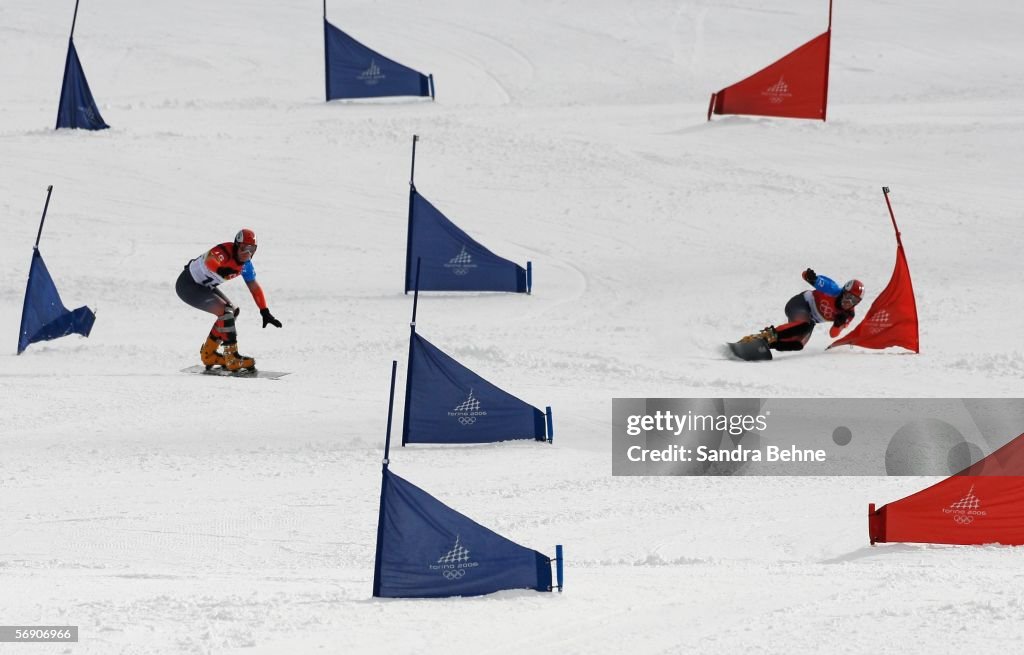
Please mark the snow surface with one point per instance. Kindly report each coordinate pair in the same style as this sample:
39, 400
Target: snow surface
167, 513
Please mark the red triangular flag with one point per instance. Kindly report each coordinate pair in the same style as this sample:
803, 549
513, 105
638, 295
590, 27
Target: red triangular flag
795, 86
983, 504
892, 318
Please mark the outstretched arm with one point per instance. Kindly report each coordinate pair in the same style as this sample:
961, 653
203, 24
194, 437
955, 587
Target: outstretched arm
257, 293
249, 275
261, 302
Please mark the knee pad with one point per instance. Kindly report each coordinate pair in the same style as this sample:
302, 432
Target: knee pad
224, 328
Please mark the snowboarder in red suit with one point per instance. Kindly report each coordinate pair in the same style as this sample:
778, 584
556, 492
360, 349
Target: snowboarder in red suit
197, 286
827, 302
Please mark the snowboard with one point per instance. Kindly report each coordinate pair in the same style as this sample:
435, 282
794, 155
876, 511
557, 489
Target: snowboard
751, 351
244, 373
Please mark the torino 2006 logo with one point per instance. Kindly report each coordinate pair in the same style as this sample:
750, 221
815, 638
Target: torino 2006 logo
461, 263
879, 322
372, 74
966, 509
467, 411
777, 92
454, 564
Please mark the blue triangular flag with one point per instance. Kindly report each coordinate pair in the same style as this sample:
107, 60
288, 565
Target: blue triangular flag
450, 260
425, 549
44, 316
77, 107
448, 403
355, 71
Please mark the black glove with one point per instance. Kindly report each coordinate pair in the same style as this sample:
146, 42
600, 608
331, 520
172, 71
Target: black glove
810, 276
225, 271
268, 318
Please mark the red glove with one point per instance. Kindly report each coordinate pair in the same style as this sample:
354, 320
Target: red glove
839, 325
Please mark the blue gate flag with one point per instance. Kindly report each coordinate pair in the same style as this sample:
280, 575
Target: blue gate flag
355, 71
448, 403
44, 316
425, 549
77, 109
450, 259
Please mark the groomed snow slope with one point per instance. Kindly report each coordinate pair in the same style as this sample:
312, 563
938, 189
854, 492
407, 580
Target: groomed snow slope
162, 512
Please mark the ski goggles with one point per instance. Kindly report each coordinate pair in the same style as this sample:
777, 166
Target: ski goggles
849, 300
248, 248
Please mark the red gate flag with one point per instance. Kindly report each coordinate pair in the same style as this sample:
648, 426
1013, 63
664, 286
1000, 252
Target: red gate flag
892, 318
982, 504
795, 86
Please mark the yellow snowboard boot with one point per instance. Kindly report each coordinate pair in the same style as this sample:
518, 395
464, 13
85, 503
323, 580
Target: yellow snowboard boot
768, 334
233, 361
209, 353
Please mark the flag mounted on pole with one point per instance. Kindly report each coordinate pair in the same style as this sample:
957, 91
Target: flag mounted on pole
795, 86
445, 402
77, 108
354, 71
982, 504
451, 259
448, 403
892, 318
43, 315
426, 549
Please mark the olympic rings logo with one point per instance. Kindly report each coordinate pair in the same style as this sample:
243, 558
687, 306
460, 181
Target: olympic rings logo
963, 520
467, 420
453, 575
